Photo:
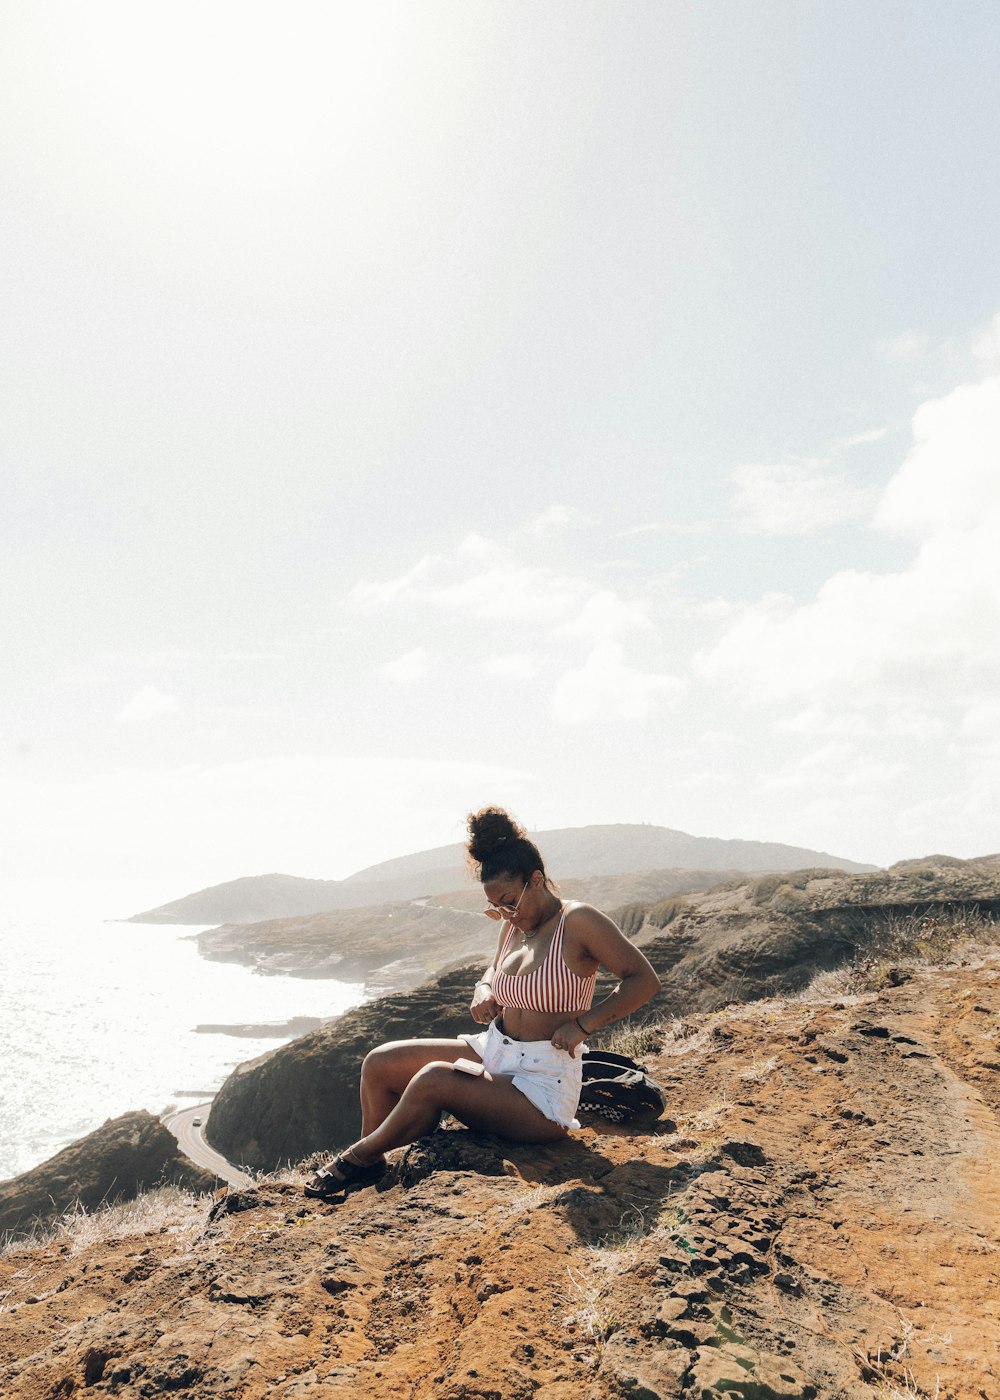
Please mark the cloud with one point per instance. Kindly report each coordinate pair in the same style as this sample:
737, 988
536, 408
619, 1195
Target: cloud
794, 498
861, 439
556, 520
986, 346
605, 688
146, 704
605, 616
406, 669
667, 527
907, 348
503, 590
379, 594
926, 632
951, 477
516, 666
479, 581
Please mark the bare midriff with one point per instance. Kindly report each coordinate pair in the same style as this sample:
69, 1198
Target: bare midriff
534, 1025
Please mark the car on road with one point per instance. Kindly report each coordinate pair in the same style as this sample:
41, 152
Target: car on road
196, 1122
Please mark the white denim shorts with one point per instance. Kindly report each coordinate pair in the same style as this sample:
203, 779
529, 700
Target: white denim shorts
549, 1078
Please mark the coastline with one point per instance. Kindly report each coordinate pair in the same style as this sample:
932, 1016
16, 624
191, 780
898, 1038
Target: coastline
98, 1018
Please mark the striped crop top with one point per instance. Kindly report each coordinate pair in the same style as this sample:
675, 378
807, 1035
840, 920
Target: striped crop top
549, 987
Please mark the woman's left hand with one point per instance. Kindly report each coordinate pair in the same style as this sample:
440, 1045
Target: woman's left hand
568, 1036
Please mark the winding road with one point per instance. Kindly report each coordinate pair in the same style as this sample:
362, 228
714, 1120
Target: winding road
186, 1127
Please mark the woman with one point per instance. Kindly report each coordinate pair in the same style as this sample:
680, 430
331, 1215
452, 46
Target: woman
520, 1077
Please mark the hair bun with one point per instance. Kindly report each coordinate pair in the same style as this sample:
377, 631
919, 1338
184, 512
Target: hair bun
500, 846
489, 829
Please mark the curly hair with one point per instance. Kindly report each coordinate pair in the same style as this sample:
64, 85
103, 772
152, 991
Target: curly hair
498, 846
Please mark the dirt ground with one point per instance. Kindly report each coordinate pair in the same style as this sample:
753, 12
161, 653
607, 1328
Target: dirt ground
817, 1215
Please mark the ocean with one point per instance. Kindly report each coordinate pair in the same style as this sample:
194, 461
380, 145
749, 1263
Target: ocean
97, 1016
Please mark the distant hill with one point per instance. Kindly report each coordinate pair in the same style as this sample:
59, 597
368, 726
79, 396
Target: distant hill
570, 853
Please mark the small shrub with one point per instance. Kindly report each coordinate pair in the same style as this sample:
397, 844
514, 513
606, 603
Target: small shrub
634, 1041
786, 899
667, 910
763, 890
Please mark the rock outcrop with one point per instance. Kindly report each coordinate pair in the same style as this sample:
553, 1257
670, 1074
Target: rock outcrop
819, 1221
735, 943
116, 1162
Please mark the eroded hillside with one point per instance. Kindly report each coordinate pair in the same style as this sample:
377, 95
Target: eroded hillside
818, 1217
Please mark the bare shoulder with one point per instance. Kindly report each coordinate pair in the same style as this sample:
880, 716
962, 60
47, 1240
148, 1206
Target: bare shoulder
583, 919
593, 935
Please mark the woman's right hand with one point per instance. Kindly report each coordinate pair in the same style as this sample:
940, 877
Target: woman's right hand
484, 1008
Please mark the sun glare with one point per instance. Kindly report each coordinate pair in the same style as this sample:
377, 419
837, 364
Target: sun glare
226, 90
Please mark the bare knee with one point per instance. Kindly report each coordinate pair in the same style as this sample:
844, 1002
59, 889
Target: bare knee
375, 1059
433, 1081
382, 1066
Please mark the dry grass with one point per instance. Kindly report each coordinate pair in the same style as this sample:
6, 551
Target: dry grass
167, 1210
634, 1041
902, 946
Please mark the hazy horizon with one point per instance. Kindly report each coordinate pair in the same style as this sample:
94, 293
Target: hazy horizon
589, 409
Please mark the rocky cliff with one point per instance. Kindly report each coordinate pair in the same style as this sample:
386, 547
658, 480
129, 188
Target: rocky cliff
816, 1217
119, 1160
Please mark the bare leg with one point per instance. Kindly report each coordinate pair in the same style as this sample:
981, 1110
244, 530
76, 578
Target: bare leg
388, 1070
485, 1101
385, 1074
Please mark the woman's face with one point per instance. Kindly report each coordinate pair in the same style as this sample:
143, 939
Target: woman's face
513, 899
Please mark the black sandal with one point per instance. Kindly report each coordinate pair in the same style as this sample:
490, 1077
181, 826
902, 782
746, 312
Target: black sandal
343, 1175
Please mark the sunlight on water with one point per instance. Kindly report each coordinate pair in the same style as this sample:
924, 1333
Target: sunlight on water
97, 1018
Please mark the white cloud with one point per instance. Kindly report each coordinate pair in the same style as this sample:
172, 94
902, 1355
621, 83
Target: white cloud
667, 527
927, 632
514, 666
605, 688
605, 616
951, 477
479, 581
861, 439
504, 590
556, 520
986, 346
906, 348
406, 669
146, 704
794, 498
982, 722
367, 594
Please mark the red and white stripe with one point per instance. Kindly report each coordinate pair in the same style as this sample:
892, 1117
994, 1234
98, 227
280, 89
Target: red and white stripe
549, 987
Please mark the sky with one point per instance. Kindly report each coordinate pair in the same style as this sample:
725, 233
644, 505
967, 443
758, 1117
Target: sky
591, 408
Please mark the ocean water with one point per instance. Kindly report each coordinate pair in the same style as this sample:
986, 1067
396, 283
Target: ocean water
97, 1017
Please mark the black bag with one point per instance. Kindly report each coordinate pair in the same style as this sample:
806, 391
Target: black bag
616, 1088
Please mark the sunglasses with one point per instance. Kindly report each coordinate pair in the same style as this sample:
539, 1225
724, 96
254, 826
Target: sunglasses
504, 911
